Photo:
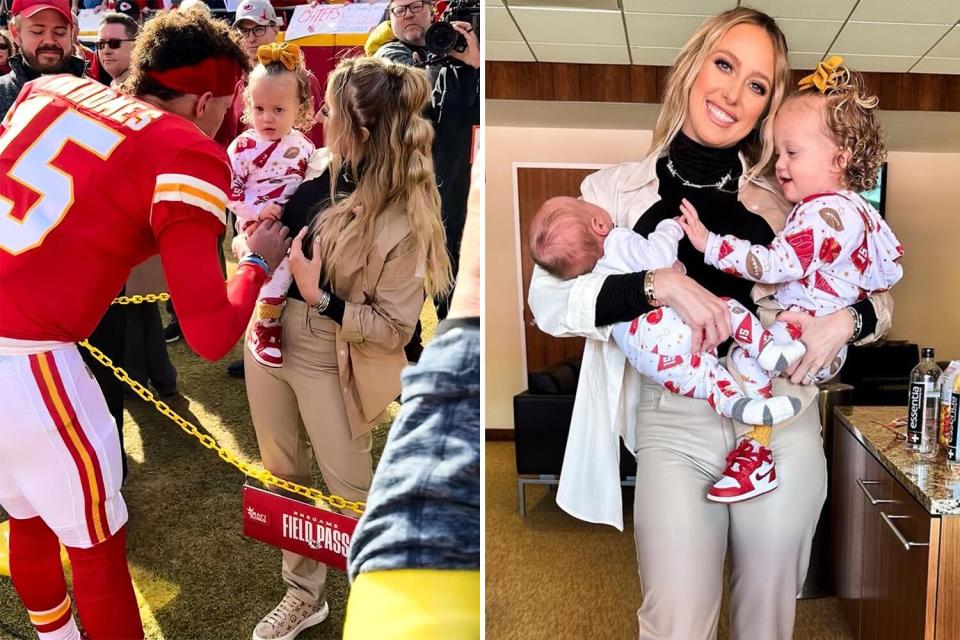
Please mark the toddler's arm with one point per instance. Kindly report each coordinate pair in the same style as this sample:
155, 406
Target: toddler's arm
815, 236
239, 173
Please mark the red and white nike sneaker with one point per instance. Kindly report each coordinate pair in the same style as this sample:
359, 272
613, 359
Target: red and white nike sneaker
750, 472
264, 343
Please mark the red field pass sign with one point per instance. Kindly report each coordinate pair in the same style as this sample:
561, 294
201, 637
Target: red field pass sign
295, 526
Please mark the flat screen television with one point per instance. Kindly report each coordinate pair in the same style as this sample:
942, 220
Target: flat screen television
878, 195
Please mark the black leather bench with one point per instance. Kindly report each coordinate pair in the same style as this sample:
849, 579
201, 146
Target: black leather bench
541, 417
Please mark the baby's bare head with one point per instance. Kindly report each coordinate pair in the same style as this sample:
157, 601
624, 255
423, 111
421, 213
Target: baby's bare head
566, 236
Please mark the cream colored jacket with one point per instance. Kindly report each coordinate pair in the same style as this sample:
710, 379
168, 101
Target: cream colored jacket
605, 408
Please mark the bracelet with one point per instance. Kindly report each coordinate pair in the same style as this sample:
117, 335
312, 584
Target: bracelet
323, 303
648, 291
257, 260
260, 258
857, 325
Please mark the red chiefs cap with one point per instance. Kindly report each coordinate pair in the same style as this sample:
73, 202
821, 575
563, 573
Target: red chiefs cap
28, 8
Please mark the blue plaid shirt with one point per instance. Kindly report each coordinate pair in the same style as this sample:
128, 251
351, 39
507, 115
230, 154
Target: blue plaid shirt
423, 511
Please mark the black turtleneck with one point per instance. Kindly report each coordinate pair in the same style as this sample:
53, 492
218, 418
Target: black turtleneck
621, 297
311, 198
719, 210
704, 165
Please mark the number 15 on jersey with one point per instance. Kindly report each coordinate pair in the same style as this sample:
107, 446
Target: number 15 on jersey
26, 221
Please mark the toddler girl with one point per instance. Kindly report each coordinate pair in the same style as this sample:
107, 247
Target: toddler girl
834, 250
268, 163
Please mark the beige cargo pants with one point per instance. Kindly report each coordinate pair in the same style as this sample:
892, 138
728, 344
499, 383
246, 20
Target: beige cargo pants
682, 539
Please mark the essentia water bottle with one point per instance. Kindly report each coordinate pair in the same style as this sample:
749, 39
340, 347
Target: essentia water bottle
953, 457
923, 403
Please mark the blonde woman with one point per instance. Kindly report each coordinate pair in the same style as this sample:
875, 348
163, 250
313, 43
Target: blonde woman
360, 271
713, 145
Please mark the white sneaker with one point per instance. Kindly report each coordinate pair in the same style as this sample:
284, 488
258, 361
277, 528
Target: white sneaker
289, 618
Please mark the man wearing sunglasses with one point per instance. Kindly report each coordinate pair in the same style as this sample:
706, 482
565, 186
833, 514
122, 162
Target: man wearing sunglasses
115, 44
44, 30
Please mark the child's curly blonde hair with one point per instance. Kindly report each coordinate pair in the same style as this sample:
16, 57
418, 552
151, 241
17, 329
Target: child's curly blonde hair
850, 119
270, 64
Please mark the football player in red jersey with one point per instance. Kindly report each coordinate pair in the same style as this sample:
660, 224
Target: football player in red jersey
69, 235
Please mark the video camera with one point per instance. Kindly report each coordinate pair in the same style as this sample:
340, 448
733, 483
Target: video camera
441, 38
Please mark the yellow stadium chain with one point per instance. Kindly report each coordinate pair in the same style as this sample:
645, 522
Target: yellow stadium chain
138, 299
209, 442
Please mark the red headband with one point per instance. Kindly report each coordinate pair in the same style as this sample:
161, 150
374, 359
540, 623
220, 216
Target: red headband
218, 75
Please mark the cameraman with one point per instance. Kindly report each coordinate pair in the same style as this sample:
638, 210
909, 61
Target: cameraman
410, 20
455, 110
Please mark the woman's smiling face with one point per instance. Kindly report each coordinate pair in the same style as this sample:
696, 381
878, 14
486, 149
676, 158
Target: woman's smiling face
732, 88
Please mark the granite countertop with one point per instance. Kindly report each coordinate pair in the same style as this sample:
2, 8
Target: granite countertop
935, 485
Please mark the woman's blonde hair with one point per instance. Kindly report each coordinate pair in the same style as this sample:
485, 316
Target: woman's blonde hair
673, 112
850, 120
376, 119
305, 115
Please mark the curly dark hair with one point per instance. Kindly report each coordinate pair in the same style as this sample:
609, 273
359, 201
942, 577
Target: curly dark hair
174, 39
850, 119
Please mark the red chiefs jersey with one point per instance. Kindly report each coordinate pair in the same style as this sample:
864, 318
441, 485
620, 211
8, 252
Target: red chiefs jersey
89, 178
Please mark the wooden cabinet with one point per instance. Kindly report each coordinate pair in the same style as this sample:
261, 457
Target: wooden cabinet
847, 503
886, 551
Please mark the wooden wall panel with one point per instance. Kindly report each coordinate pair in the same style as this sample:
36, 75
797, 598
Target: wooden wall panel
513, 80
637, 83
605, 83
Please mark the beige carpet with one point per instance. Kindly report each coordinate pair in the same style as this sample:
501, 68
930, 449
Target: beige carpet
553, 577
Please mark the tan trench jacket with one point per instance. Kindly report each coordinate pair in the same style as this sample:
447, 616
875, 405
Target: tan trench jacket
383, 292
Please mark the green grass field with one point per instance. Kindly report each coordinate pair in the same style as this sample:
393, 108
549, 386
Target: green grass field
197, 577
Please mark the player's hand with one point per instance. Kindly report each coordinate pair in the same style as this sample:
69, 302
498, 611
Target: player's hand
823, 336
470, 55
306, 272
271, 211
707, 315
690, 221
270, 240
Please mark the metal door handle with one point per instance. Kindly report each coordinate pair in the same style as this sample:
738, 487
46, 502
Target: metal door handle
863, 487
906, 543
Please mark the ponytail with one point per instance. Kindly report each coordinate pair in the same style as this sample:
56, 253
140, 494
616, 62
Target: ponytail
386, 101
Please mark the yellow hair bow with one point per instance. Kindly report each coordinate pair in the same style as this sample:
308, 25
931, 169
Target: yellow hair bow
829, 74
286, 54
